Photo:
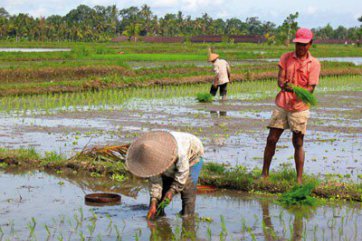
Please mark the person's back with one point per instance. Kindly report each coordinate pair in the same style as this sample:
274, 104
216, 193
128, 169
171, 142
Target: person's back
221, 68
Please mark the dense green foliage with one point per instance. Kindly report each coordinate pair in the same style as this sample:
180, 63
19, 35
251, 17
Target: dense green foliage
102, 23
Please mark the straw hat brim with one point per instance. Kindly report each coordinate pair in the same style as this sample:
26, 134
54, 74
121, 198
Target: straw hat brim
213, 57
151, 154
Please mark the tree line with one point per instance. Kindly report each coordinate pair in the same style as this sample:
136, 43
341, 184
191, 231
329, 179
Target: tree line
102, 23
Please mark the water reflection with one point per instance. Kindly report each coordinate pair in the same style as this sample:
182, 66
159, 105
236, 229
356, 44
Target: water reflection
161, 229
296, 228
215, 113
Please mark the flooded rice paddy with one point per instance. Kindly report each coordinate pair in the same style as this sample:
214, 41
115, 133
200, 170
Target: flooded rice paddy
40, 206
35, 49
233, 132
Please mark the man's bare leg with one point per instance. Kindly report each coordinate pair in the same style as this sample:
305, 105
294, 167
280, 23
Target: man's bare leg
272, 140
298, 139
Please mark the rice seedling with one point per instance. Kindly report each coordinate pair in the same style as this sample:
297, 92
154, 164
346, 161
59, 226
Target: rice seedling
209, 233
82, 236
31, 226
47, 230
118, 233
224, 232
137, 234
162, 205
110, 224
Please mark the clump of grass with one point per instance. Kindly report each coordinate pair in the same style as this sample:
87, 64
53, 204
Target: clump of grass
304, 95
214, 168
204, 97
299, 195
19, 154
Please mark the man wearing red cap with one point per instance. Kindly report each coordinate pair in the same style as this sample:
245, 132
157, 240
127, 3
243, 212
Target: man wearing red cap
301, 69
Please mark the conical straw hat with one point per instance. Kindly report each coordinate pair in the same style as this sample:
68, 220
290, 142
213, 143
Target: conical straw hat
151, 154
213, 57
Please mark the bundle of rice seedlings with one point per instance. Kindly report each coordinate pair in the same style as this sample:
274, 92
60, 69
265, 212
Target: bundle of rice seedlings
304, 95
299, 195
162, 205
204, 97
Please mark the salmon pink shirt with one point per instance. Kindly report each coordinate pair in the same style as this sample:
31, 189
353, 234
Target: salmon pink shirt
300, 72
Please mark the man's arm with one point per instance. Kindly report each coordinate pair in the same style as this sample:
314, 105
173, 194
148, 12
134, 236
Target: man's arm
310, 88
282, 81
228, 71
156, 195
314, 76
216, 79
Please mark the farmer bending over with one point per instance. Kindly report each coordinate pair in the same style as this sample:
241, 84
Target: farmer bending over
301, 69
222, 78
172, 161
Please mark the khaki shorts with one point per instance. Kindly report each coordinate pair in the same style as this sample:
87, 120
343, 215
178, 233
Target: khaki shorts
295, 121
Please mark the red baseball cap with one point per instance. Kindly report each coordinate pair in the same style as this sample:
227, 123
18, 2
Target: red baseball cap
303, 35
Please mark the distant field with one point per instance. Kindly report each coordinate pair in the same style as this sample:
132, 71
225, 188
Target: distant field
90, 66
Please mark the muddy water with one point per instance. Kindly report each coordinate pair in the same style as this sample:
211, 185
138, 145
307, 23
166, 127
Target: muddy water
233, 132
57, 206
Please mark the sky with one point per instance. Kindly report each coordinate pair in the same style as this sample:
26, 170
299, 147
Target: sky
317, 13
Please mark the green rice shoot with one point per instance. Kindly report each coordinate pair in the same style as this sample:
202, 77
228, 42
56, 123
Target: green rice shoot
298, 195
304, 95
162, 205
204, 97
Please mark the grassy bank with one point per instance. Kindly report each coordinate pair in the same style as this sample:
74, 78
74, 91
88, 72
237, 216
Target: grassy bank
218, 175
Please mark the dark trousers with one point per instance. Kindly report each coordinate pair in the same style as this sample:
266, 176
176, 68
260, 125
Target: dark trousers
223, 89
188, 194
